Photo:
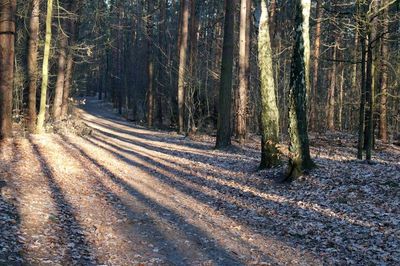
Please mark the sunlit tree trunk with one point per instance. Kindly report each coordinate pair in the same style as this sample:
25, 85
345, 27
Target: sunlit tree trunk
33, 63
300, 159
45, 69
225, 91
7, 38
269, 107
244, 70
59, 89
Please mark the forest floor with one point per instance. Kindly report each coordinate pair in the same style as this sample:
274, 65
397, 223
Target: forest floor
126, 195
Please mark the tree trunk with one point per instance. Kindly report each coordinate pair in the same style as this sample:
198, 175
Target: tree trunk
32, 64
7, 38
59, 89
225, 91
317, 45
244, 69
67, 84
300, 159
269, 108
183, 47
45, 69
330, 112
383, 131
150, 66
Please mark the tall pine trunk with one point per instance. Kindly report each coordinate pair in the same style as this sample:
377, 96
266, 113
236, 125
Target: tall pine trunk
7, 38
269, 107
33, 63
383, 130
183, 48
225, 90
244, 70
59, 89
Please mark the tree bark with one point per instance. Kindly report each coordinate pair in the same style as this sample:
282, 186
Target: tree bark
317, 45
7, 52
150, 66
225, 90
383, 130
33, 63
269, 107
330, 112
244, 70
59, 89
45, 69
300, 159
183, 48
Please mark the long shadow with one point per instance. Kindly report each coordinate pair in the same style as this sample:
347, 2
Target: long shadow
195, 157
173, 255
11, 248
231, 210
213, 251
72, 234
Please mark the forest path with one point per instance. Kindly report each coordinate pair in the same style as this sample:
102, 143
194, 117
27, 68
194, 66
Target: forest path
126, 195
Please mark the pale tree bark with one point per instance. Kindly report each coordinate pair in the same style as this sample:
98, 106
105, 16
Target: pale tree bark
183, 48
269, 107
225, 90
244, 70
7, 52
33, 63
45, 69
300, 159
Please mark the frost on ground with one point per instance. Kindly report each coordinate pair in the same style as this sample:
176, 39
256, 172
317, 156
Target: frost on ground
126, 195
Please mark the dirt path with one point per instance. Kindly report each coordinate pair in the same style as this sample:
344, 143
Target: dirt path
127, 195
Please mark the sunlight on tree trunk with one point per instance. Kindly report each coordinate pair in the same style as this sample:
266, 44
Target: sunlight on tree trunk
45, 70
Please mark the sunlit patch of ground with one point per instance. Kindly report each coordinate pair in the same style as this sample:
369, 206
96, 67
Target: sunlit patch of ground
127, 195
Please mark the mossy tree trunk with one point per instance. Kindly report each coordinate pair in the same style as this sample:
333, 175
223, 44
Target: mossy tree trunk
45, 69
269, 107
300, 159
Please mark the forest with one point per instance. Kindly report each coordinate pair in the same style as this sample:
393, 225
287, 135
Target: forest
214, 132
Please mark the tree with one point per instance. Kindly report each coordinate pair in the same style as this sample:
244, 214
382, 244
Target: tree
317, 45
383, 130
330, 110
225, 90
300, 159
183, 48
32, 64
62, 63
244, 70
150, 65
269, 108
7, 38
45, 69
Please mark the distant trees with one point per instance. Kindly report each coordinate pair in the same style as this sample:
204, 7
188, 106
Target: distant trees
176, 64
